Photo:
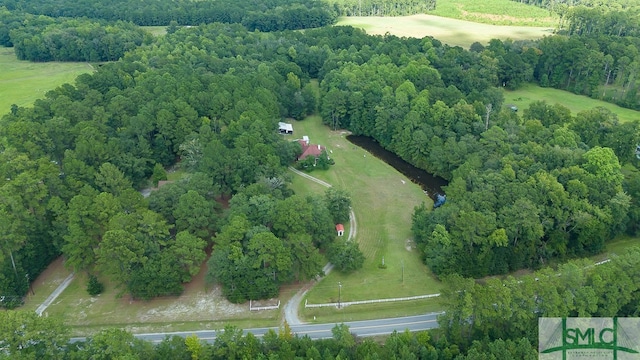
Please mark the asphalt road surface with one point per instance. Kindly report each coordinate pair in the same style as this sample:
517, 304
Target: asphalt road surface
319, 331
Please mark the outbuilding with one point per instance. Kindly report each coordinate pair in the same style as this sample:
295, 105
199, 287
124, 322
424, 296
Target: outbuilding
285, 128
340, 229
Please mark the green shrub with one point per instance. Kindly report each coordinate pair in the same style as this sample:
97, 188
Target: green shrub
94, 286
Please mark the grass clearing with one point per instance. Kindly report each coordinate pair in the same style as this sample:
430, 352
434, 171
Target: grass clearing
619, 245
497, 12
450, 31
23, 82
576, 103
155, 30
383, 205
199, 307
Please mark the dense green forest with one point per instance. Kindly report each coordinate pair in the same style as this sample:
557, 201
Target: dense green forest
381, 7
261, 15
41, 38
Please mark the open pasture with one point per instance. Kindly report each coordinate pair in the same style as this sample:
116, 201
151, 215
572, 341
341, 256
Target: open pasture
23, 82
450, 31
576, 103
496, 12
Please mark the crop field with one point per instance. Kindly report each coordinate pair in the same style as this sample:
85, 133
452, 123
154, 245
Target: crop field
23, 82
576, 103
450, 31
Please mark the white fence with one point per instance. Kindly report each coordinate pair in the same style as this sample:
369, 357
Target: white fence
347, 303
268, 307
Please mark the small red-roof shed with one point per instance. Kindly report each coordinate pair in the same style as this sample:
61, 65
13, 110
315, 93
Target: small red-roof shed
340, 229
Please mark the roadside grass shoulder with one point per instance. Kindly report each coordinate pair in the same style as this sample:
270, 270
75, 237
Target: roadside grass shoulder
23, 82
576, 103
364, 312
383, 206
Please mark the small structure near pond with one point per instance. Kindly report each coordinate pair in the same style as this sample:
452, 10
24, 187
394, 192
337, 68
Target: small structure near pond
440, 200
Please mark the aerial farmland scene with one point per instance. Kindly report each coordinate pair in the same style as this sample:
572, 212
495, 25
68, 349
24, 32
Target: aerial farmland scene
325, 179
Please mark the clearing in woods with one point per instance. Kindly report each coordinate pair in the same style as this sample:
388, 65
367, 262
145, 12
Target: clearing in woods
383, 201
23, 82
529, 93
450, 31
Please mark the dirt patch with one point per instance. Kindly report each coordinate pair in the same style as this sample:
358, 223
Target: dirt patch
203, 305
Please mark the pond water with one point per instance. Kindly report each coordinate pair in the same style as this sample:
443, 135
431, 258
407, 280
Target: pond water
431, 184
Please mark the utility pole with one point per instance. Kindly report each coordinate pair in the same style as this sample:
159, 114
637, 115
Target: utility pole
402, 272
339, 294
29, 282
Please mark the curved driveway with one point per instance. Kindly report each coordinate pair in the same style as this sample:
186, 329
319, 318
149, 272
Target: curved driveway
291, 307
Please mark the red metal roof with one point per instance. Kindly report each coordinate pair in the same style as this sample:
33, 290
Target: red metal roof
310, 150
340, 227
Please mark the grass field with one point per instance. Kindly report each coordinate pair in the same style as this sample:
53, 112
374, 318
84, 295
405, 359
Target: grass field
497, 12
383, 205
450, 31
23, 82
155, 30
576, 103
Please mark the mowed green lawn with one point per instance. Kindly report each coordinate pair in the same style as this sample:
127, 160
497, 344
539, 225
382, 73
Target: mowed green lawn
576, 103
383, 201
450, 31
23, 82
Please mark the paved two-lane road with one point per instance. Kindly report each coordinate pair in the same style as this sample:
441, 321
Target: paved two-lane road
320, 331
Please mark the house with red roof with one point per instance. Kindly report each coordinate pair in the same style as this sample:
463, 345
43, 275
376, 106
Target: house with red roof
340, 229
309, 149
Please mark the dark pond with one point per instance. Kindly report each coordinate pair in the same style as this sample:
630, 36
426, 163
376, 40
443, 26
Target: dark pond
431, 184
